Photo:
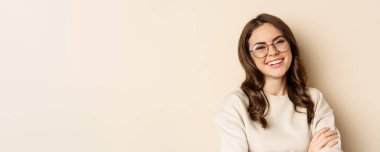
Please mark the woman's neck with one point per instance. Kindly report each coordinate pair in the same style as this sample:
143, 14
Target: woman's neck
275, 86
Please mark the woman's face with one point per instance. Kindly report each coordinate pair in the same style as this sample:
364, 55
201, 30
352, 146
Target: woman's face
275, 63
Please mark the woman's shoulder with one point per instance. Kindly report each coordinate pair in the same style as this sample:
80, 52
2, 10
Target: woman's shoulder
313, 91
315, 94
235, 98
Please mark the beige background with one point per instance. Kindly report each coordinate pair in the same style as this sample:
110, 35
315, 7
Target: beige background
148, 75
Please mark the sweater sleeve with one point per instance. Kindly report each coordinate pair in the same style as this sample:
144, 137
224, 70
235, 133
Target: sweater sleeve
324, 117
230, 125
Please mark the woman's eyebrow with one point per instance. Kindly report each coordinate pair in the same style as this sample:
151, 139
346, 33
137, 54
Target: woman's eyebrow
272, 40
277, 38
259, 43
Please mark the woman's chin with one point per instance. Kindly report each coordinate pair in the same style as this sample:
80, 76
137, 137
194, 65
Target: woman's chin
275, 75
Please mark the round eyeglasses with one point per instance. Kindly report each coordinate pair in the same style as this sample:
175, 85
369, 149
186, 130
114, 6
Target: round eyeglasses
261, 49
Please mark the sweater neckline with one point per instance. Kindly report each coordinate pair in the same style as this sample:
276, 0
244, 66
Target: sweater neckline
277, 96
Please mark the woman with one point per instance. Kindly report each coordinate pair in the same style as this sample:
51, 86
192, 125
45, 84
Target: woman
274, 110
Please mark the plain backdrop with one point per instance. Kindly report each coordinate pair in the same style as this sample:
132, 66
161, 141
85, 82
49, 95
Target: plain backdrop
149, 75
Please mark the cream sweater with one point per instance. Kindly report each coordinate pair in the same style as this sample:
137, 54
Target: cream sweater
287, 131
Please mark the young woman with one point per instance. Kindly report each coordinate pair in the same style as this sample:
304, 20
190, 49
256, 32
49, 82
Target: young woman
274, 110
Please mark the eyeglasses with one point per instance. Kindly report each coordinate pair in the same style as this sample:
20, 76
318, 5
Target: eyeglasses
261, 49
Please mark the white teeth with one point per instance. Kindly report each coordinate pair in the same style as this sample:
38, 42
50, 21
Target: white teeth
274, 62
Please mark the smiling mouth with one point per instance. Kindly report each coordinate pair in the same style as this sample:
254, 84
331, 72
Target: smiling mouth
275, 62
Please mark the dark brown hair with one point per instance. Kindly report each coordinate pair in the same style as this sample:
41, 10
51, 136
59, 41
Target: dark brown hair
296, 77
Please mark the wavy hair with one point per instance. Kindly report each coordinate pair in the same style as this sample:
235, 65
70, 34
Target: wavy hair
296, 77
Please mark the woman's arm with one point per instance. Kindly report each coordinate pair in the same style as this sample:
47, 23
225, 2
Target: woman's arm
230, 125
323, 127
322, 140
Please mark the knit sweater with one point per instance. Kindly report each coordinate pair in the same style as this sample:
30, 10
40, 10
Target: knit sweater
287, 131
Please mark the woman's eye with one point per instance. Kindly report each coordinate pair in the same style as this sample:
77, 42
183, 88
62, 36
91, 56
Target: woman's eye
279, 41
259, 48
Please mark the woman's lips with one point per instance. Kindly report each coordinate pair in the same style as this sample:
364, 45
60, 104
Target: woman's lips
275, 63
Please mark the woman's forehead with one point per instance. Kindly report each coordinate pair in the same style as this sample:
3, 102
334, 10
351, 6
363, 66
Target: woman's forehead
264, 33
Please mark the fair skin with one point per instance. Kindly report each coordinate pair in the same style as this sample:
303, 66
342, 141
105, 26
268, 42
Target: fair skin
274, 76
274, 67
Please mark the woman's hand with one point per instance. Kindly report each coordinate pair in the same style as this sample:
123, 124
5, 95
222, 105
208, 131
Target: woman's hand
323, 138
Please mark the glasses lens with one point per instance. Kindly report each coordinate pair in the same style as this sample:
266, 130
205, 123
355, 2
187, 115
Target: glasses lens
281, 44
259, 50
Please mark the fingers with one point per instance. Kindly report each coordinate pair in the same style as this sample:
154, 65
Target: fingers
319, 133
331, 143
323, 138
327, 137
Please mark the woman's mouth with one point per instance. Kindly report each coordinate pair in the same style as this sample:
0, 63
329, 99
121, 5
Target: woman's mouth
275, 63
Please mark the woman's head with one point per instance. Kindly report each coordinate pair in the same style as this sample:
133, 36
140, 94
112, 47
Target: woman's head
268, 50
265, 41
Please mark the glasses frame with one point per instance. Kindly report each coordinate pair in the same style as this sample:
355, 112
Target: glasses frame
267, 46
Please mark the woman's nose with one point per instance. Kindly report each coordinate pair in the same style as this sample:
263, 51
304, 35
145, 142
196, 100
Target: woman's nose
272, 50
